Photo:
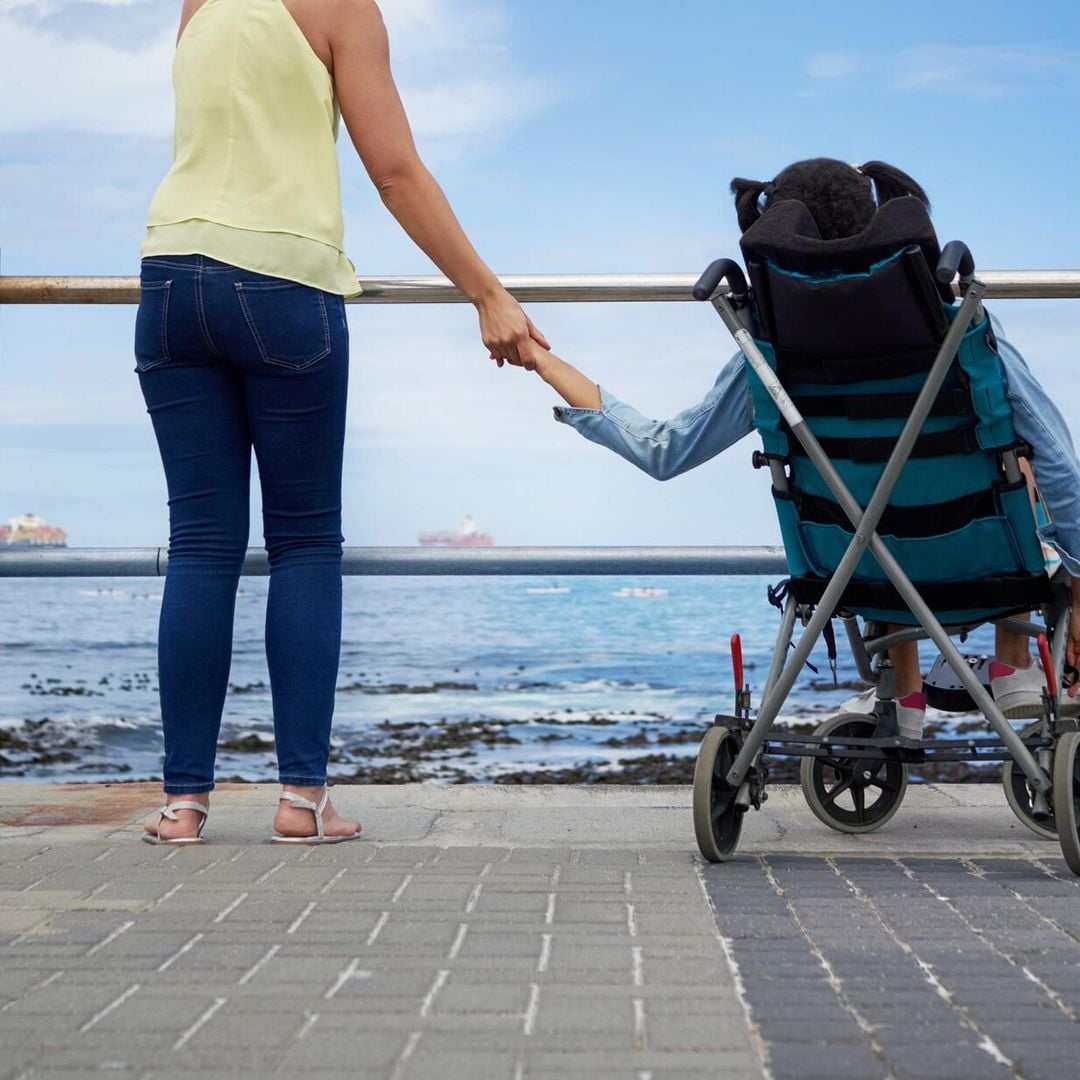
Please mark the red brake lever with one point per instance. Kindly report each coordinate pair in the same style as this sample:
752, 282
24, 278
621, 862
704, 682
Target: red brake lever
1048, 665
736, 662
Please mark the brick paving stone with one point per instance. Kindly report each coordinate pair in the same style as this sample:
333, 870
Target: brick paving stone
478, 960
971, 1063
434, 1065
799, 1060
976, 944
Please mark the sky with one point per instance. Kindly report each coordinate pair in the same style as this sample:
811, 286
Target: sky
570, 137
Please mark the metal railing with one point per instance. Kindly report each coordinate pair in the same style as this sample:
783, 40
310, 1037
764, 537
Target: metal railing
419, 562
535, 561
527, 288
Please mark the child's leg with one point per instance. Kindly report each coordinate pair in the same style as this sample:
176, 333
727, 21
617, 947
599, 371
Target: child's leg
910, 699
1012, 648
905, 662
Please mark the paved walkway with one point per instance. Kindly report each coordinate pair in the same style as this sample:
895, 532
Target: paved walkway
528, 933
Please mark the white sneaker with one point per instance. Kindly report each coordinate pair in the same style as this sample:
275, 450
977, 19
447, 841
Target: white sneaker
911, 716
862, 704
1017, 691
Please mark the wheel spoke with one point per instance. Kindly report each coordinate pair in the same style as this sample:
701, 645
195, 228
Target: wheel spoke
858, 794
831, 796
885, 785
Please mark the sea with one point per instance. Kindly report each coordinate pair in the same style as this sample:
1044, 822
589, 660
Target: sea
457, 679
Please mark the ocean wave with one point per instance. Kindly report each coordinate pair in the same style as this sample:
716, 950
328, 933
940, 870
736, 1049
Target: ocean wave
599, 685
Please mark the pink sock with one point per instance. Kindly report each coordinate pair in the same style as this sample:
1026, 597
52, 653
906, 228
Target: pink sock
915, 700
998, 670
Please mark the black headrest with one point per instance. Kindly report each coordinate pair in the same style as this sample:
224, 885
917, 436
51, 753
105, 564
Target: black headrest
787, 235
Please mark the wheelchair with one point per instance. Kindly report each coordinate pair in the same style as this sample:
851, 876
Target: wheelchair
895, 469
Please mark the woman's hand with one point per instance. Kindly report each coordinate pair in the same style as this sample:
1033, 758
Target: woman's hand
507, 332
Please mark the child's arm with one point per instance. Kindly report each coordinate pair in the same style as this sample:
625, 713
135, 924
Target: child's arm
565, 379
662, 448
1055, 464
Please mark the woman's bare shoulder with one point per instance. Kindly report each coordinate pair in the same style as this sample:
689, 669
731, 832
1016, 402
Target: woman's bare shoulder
355, 14
186, 12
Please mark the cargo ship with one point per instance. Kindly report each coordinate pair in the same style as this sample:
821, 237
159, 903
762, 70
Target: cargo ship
30, 531
465, 536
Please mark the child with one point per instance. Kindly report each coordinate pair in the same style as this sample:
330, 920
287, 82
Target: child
842, 199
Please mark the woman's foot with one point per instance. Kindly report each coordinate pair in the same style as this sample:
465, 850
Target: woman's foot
298, 822
188, 823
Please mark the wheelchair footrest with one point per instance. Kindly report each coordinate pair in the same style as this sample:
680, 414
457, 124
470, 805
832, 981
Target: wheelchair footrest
784, 743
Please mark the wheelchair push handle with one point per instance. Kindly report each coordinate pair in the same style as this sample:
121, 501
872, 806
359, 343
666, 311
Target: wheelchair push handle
718, 271
955, 258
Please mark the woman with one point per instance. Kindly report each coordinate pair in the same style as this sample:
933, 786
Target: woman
842, 199
241, 342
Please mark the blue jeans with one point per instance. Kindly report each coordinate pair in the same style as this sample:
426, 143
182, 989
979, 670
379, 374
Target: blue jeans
230, 360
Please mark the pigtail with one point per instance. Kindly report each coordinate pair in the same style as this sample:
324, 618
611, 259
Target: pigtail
748, 195
892, 183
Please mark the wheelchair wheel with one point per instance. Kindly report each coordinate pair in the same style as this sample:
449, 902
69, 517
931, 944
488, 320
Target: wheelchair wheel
1018, 794
717, 820
852, 795
1066, 793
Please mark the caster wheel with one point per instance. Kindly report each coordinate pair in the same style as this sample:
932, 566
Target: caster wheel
1018, 794
717, 820
1066, 796
852, 795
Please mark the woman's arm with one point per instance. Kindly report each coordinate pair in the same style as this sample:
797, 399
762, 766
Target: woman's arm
380, 132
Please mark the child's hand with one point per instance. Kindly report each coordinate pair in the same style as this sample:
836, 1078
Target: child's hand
528, 354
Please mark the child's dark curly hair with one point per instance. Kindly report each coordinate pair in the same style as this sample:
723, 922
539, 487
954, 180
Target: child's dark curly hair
842, 198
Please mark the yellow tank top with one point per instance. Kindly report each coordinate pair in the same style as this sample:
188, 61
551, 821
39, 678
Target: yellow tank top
254, 180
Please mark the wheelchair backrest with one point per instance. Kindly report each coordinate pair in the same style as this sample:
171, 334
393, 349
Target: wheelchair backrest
851, 327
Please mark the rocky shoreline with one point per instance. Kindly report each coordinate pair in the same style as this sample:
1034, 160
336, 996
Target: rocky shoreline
656, 751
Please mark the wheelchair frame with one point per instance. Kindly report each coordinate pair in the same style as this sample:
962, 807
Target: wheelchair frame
732, 764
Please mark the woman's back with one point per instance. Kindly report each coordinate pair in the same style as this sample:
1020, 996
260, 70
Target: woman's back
313, 17
254, 149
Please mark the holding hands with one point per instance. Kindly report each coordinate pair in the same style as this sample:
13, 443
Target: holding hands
575, 388
507, 332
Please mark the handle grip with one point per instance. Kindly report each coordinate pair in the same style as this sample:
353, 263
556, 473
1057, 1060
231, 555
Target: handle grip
715, 273
736, 661
955, 258
1048, 664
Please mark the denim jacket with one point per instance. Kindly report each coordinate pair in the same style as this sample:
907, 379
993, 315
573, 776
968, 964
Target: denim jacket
666, 448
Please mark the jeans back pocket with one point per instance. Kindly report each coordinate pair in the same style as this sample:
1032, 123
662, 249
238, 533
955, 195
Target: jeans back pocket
151, 325
287, 320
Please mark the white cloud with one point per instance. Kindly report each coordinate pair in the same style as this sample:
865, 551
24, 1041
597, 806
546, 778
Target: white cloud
979, 70
83, 85
974, 71
834, 65
456, 75
41, 8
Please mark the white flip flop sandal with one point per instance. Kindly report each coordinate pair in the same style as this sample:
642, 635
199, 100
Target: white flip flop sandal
169, 812
317, 809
